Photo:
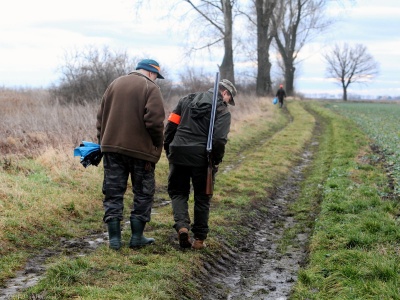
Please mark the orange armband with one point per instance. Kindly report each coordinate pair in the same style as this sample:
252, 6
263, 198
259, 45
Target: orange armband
174, 118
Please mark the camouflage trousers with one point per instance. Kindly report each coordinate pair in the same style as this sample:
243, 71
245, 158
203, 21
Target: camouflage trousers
117, 168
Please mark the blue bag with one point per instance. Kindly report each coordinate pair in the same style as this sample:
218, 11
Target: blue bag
89, 152
275, 101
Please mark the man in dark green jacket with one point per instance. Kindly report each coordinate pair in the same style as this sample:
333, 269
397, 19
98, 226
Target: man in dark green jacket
185, 141
130, 127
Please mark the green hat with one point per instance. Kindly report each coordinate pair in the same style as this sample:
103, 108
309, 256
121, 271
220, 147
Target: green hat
151, 66
230, 87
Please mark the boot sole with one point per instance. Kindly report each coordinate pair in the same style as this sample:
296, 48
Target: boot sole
184, 240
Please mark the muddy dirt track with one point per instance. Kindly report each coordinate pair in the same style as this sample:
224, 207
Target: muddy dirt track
257, 269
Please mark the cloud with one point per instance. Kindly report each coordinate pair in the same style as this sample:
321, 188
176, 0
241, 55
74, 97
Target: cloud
37, 34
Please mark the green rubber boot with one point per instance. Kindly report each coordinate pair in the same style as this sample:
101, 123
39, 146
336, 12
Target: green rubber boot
114, 233
138, 239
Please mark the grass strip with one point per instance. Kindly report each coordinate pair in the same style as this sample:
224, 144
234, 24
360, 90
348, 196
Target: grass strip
354, 251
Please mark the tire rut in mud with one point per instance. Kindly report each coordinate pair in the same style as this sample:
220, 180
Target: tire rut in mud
259, 269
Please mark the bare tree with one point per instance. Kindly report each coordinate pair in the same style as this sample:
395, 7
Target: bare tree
218, 15
296, 22
349, 65
87, 73
213, 27
193, 80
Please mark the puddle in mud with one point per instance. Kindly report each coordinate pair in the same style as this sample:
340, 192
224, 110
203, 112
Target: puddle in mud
35, 267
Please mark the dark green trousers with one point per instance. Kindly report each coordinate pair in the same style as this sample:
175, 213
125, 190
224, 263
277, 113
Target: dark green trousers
179, 184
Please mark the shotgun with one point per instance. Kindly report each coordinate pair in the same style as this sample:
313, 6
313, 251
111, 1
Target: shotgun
209, 183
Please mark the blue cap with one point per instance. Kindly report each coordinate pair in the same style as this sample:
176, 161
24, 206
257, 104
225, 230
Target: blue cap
151, 66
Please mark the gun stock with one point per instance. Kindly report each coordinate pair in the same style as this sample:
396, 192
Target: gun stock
209, 183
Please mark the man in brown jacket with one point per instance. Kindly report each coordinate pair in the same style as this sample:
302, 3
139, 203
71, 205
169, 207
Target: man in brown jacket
130, 132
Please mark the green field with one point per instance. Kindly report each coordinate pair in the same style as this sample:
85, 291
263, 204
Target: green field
381, 122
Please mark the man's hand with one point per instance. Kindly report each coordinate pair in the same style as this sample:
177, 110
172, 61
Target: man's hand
166, 148
215, 168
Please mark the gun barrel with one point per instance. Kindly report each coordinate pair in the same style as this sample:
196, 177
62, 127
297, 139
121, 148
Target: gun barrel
213, 110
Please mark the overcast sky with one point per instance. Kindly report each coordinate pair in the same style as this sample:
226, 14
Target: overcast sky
35, 35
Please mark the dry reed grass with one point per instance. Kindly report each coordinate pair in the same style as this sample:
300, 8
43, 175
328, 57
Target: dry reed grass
31, 122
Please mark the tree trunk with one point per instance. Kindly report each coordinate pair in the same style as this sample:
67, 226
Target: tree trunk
263, 87
289, 77
344, 93
227, 67
264, 11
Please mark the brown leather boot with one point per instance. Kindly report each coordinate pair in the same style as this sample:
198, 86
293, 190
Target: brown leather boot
183, 237
198, 244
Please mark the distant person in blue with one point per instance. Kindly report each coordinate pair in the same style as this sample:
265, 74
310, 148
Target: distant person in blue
281, 94
130, 130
